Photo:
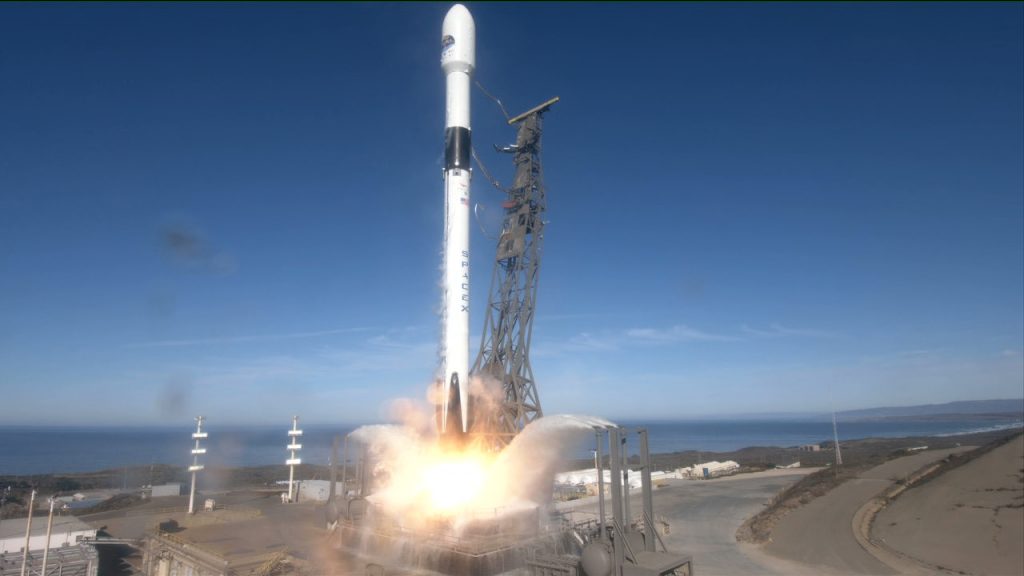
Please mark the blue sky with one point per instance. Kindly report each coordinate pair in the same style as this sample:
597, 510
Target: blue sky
236, 209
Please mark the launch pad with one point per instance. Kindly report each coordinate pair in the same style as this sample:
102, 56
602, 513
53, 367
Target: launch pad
494, 546
535, 540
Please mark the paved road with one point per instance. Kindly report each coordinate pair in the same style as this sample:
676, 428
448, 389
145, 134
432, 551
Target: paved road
969, 519
820, 533
704, 516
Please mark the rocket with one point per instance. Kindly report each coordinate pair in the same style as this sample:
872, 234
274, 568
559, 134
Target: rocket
458, 60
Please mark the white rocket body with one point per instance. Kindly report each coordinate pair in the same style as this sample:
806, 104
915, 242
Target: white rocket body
458, 60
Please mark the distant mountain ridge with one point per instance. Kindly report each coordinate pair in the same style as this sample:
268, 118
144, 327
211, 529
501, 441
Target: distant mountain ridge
1009, 406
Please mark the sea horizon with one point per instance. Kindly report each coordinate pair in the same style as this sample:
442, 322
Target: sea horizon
39, 449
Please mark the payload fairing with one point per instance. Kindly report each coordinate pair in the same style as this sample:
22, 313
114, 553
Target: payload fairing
458, 60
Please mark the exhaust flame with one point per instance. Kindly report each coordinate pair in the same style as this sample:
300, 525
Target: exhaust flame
419, 481
454, 482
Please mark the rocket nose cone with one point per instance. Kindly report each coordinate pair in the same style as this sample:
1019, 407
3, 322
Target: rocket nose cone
458, 40
458, 19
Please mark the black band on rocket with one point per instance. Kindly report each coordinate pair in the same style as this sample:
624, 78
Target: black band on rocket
456, 148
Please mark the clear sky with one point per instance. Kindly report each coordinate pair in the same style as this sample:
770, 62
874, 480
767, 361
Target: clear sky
236, 210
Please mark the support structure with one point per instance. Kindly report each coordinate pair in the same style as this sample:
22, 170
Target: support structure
49, 532
646, 488
598, 457
294, 435
504, 355
28, 532
332, 510
197, 451
624, 547
619, 518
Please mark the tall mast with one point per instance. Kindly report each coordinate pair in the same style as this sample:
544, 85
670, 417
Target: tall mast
504, 352
197, 451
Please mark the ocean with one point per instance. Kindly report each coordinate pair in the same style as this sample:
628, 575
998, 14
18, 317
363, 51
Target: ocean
44, 450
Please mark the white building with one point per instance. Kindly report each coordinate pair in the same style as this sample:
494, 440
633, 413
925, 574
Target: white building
67, 531
314, 490
709, 469
163, 490
588, 477
67, 556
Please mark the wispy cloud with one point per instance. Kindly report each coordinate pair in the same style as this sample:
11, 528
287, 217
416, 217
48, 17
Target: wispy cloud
576, 316
781, 384
244, 338
397, 337
582, 342
610, 340
780, 331
588, 341
364, 364
351, 380
904, 356
677, 333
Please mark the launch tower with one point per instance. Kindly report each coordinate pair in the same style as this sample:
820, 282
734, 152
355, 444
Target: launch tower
508, 328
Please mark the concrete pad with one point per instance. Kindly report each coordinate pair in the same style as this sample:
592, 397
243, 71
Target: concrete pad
704, 515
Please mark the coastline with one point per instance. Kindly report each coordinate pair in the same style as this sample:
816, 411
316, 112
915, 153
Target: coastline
63, 450
129, 480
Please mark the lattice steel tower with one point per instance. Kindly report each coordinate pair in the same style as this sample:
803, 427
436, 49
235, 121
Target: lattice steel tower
505, 345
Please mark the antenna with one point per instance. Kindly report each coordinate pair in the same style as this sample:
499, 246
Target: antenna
293, 446
197, 451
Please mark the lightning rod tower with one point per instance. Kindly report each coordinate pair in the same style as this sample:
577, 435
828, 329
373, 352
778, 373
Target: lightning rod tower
197, 451
294, 439
508, 328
